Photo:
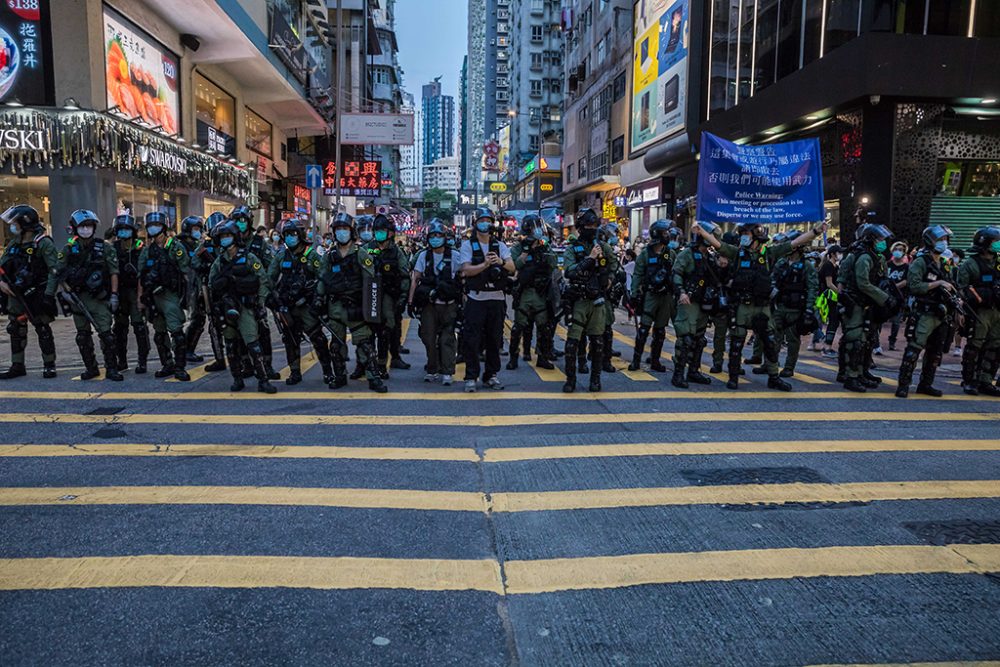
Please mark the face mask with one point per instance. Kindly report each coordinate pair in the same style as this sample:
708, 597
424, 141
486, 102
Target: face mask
124, 233
381, 235
291, 241
995, 246
673, 245
226, 241
940, 246
538, 234
15, 229
365, 236
613, 241
897, 254
85, 232
309, 237
880, 246
327, 243
435, 241
275, 238
343, 236
242, 226
484, 226
745, 241
451, 243
154, 230
196, 234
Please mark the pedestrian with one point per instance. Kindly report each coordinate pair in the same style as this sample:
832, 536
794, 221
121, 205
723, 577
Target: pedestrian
128, 249
896, 272
979, 280
487, 267
435, 291
830, 290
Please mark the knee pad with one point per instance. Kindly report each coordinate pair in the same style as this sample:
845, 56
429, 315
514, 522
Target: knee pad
759, 324
643, 331
14, 327
659, 334
84, 339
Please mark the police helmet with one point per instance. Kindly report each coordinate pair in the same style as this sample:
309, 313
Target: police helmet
227, 228
382, 222
935, 233
732, 238
214, 220
484, 212
790, 235
530, 223
437, 226
344, 220
985, 237
292, 226
780, 237
814, 256
125, 221
659, 229
157, 218
608, 231
241, 213
709, 227
364, 222
189, 223
871, 233
587, 218
25, 216
757, 230
82, 217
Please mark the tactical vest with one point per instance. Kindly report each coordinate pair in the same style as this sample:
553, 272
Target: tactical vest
294, 276
207, 259
752, 278
931, 272
258, 247
128, 252
536, 273
387, 266
790, 281
161, 269
343, 278
850, 281
700, 280
658, 278
437, 278
593, 284
86, 271
239, 276
492, 279
25, 266
987, 284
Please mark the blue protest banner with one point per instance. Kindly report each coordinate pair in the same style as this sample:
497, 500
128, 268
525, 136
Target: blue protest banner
780, 182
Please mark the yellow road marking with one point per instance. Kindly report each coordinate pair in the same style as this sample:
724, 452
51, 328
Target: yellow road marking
249, 572
507, 454
665, 394
196, 373
619, 363
561, 574
308, 361
808, 379
454, 501
249, 451
664, 418
544, 374
404, 327
99, 378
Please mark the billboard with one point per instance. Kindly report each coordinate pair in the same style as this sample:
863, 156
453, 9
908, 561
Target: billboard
22, 52
659, 70
358, 178
141, 75
377, 129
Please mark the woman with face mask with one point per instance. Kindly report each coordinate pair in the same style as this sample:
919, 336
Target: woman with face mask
896, 272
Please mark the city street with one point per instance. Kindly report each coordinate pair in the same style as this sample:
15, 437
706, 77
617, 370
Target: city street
152, 522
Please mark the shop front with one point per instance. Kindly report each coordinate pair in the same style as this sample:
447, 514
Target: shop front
648, 202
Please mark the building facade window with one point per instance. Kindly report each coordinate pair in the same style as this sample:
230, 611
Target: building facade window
620, 86
258, 132
598, 165
535, 87
618, 150
215, 116
536, 34
536, 61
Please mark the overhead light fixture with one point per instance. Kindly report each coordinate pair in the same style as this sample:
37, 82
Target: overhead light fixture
196, 145
770, 132
989, 100
70, 104
812, 117
13, 102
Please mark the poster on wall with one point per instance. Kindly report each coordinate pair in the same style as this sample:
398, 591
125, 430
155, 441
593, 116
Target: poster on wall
660, 70
22, 51
141, 75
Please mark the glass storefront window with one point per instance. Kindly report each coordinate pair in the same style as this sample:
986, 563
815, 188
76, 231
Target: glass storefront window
217, 206
767, 44
968, 179
949, 17
33, 191
789, 36
987, 19
215, 115
139, 201
258, 133
842, 18
812, 22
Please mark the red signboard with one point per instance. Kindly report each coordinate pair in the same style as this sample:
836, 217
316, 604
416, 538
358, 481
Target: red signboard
358, 178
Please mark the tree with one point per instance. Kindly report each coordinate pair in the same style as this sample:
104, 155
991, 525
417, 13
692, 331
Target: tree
440, 204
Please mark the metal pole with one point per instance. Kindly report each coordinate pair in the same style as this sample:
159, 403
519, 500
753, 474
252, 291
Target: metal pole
340, 97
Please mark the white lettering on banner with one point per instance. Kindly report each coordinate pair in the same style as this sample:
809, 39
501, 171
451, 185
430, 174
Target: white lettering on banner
22, 140
157, 158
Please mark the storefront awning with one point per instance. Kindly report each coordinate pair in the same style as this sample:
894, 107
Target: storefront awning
602, 184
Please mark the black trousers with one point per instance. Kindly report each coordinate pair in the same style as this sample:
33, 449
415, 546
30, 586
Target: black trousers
483, 330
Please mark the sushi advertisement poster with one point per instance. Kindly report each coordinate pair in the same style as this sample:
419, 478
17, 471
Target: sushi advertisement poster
23, 50
141, 75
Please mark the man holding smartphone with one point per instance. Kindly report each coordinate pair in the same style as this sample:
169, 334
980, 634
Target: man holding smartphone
487, 266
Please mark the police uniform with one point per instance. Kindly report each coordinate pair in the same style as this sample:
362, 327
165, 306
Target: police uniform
86, 267
202, 259
589, 281
859, 273
536, 265
390, 270
200, 267
653, 288
31, 269
928, 327
795, 282
163, 275
257, 246
436, 298
128, 252
979, 279
696, 275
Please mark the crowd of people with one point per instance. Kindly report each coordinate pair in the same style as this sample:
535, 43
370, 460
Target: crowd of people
355, 282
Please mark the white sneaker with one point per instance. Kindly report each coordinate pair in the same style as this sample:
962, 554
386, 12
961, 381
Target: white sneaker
957, 352
446, 380
811, 347
431, 377
877, 351
495, 384
470, 386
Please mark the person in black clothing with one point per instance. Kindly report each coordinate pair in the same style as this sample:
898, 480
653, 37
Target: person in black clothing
828, 283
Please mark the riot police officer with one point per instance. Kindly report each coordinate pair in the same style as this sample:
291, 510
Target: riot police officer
257, 246
191, 237
128, 249
201, 266
652, 293
30, 266
979, 280
89, 271
590, 268
386, 275
163, 281
339, 300
934, 303
795, 283
536, 265
239, 284
294, 273
698, 285
435, 290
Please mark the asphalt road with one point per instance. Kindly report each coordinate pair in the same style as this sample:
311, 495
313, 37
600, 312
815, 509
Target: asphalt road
152, 522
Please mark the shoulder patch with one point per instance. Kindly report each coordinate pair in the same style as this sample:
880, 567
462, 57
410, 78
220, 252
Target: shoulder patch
256, 266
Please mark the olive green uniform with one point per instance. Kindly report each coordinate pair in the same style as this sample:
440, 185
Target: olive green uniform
696, 275
979, 280
390, 267
163, 275
128, 252
338, 295
859, 273
536, 266
796, 282
589, 281
85, 268
928, 328
652, 291
32, 268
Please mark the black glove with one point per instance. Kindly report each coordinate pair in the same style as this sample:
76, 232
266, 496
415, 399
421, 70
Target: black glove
891, 302
638, 302
272, 301
318, 307
411, 311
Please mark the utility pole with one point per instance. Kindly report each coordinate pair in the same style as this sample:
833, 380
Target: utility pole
340, 98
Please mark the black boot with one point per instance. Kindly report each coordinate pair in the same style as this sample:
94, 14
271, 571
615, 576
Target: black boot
655, 350
775, 382
235, 366
372, 370
543, 349
515, 342
607, 351
166, 356
736, 343
680, 362
180, 356
110, 353
18, 331
141, 332
526, 341
596, 362
970, 369
120, 332
641, 333
841, 362
85, 342
293, 354
16, 370
47, 344
927, 375
694, 362
855, 385
572, 349
257, 357
906, 368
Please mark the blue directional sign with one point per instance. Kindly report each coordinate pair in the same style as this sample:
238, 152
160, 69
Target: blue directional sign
314, 176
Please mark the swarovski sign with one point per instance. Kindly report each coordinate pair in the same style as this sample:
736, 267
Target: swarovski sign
157, 158
22, 140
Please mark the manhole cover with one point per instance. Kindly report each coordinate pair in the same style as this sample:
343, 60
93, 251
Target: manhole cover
109, 433
106, 411
727, 476
956, 532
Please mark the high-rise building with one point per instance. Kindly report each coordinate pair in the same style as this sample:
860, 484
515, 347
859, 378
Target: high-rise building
463, 120
488, 90
438, 115
442, 174
409, 166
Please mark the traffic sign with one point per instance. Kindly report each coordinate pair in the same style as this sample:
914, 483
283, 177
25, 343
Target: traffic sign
314, 176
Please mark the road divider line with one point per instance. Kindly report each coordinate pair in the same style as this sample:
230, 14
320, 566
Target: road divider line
490, 421
544, 374
405, 499
511, 454
446, 454
307, 361
249, 572
742, 494
619, 363
196, 373
587, 573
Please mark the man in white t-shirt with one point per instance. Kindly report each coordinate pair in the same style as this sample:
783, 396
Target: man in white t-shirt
487, 267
